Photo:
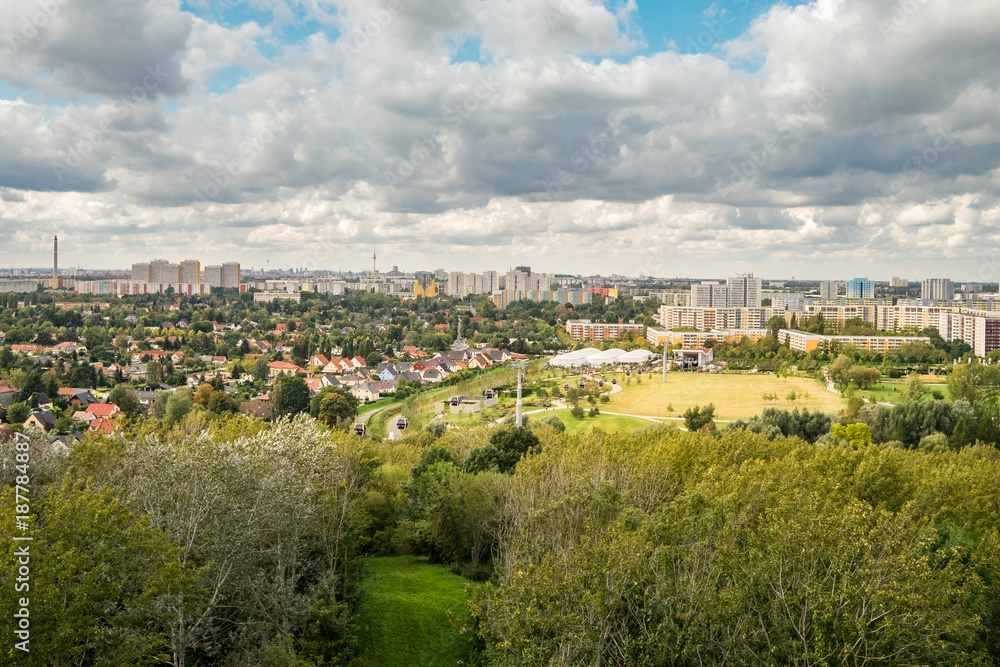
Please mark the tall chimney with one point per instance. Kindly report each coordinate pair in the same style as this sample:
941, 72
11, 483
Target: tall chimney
55, 259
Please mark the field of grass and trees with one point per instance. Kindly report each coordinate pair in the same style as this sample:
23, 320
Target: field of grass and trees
792, 537
770, 521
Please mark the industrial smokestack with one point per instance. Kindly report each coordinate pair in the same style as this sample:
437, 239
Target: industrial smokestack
55, 258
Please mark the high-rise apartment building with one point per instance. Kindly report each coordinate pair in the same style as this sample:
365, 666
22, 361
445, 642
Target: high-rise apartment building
539, 281
162, 271
896, 281
457, 284
710, 294
744, 291
190, 271
213, 275
231, 274
516, 280
937, 289
829, 290
491, 282
140, 272
860, 288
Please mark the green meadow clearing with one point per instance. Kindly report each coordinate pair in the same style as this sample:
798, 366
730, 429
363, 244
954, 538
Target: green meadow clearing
404, 615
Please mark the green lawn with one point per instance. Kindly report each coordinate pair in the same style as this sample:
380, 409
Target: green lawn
607, 423
375, 405
884, 393
404, 616
736, 396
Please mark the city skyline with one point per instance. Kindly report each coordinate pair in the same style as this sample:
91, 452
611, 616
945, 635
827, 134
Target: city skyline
627, 138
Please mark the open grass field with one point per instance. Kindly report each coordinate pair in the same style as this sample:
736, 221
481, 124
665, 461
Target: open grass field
607, 423
735, 396
884, 393
404, 616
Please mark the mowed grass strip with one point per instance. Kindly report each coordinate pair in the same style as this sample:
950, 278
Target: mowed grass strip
736, 396
606, 423
404, 616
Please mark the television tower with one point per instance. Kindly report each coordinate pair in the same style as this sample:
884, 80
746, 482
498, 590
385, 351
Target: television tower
374, 270
55, 260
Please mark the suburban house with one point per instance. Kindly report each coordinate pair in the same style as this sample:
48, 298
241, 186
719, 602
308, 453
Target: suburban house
257, 408
329, 381
479, 361
279, 368
69, 348
104, 410
365, 392
83, 416
42, 400
41, 419
105, 426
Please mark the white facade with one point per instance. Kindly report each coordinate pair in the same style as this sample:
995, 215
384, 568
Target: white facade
140, 272
190, 271
213, 276
457, 284
162, 271
516, 280
937, 289
709, 295
744, 291
491, 282
829, 290
231, 274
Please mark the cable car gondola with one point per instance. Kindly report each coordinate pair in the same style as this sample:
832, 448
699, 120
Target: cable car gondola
401, 423
583, 384
614, 380
360, 429
600, 383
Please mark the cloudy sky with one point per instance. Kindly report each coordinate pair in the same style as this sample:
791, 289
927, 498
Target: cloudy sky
837, 138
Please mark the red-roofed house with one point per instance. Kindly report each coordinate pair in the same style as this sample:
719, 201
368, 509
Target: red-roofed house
479, 361
278, 368
27, 348
69, 348
104, 410
105, 426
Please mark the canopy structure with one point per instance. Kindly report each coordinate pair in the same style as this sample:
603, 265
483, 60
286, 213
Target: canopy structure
606, 357
575, 358
635, 357
593, 357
